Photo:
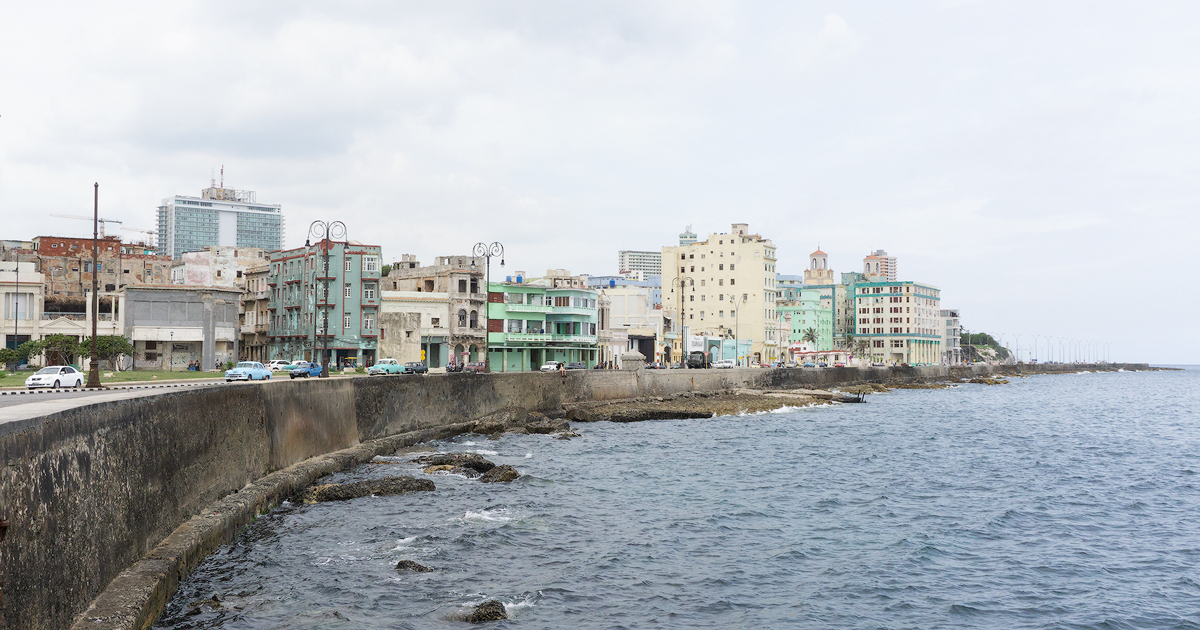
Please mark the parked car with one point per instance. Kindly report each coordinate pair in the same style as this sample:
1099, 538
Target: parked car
577, 365
839, 364
678, 365
809, 364
792, 364
416, 367
383, 367
55, 376
248, 371
478, 367
279, 365
822, 364
304, 369
550, 366
723, 364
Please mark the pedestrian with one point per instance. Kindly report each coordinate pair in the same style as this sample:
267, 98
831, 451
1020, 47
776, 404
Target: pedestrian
562, 369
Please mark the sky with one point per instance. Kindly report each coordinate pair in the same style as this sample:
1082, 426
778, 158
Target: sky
1037, 161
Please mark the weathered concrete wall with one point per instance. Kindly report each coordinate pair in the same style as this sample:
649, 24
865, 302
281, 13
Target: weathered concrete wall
90, 491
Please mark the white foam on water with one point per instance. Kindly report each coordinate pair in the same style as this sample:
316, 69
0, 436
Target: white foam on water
528, 455
512, 608
480, 451
286, 504
404, 543
486, 517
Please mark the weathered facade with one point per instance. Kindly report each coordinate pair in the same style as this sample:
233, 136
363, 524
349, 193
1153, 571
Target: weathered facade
323, 298
415, 326
217, 266
255, 314
461, 279
66, 264
171, 326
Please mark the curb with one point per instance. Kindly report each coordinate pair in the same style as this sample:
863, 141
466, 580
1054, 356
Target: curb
81, 390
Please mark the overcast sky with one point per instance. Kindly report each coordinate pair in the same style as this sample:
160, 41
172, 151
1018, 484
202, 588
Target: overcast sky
1035, 160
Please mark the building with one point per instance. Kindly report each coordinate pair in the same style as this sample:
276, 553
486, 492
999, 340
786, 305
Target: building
417, 325
324, 296
215, 266
648, 263
171, 326
812, 311
900, 321
218, 217
879, 266
66, 266
818, 272
553, 320
255, 318
687, 237
951, 334
21, 284
725, 287
460, 280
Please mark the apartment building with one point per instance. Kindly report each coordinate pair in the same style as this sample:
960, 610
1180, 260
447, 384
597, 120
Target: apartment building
325, 296
879, 266
813, 310
901, 321
255, 319
725, 286
419, 326
66, 266
529, 324
951, 335
460, 279
648, 263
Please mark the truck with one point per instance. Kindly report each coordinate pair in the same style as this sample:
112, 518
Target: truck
699, 360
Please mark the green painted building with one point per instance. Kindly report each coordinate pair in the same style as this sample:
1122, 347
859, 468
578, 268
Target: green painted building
529, 325
812, 309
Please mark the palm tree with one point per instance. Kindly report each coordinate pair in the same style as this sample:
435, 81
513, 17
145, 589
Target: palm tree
862, 348
810, 336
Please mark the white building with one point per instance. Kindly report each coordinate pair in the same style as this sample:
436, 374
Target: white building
23, 297
648, 263
215, 266
879, 267
415, 326
219, 216
725, 286
951, 348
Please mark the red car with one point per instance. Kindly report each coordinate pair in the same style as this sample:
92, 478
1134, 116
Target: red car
477, 367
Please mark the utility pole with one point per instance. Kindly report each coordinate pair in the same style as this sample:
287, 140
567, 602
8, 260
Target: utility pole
94, 363
485, 251
325, 233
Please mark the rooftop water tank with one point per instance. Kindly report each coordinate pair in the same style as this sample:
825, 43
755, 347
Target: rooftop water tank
508, 278
520, 279
612, 284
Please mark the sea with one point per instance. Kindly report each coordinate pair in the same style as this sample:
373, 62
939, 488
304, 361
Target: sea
1056, 501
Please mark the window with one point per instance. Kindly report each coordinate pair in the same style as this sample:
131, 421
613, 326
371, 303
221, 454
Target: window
346, 320
348, 264
693, 267
731, 267
370, 264
731, 279
436, 322
462, 286
368, 322
720, 267
474, 319
348, 291
683, 270
720, 313
368, 291
701, 314
691, 298
462, 312
721, 282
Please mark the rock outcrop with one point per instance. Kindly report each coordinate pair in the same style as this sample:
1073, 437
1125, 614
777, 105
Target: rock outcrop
409, 565
503, 473
470, 461
379, 487
491, 610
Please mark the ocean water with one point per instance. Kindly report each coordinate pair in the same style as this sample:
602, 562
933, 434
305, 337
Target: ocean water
1066, 501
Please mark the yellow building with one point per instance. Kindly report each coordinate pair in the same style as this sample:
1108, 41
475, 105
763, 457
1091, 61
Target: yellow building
724, 286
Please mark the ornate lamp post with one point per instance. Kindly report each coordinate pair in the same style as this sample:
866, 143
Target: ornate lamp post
487, 252
325, 233
94, 362
678, 282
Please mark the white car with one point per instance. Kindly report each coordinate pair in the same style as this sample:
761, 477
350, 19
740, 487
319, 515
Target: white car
550, 366
724, 364
280, 366
55, 376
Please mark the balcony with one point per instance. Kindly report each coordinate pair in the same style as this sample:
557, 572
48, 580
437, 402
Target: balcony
75, 317
572, 310
585, 339
529, 308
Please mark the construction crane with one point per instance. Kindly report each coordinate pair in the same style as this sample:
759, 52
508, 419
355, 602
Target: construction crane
152, 233
82, 218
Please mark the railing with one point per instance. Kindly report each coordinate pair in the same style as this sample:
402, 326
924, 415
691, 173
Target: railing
75, 317
573, 310
549, 337
529, 308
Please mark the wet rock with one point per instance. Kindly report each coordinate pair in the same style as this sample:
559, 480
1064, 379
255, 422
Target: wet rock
489, 427
409, 565
469, 473
498, 474
490, 610
464, 460
566, 435
582, 415
518, 430
379, 487
545, 425
429, 470
988, 381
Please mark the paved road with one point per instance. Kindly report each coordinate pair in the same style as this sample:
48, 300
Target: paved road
15, 405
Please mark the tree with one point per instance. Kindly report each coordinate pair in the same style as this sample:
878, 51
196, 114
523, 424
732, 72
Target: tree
862, 348
810, 336
108, 347
59, 349
9, 356
385, 270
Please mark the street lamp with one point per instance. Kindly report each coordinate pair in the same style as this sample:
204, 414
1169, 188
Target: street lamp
679, 282
486, 252
94, 362
325, 233
737, 317
171, 361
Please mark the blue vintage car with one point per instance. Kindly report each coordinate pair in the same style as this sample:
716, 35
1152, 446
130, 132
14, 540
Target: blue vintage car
248, 371
305, 369
385, 367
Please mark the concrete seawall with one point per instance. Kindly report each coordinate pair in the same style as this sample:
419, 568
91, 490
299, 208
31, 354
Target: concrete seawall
129, 495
